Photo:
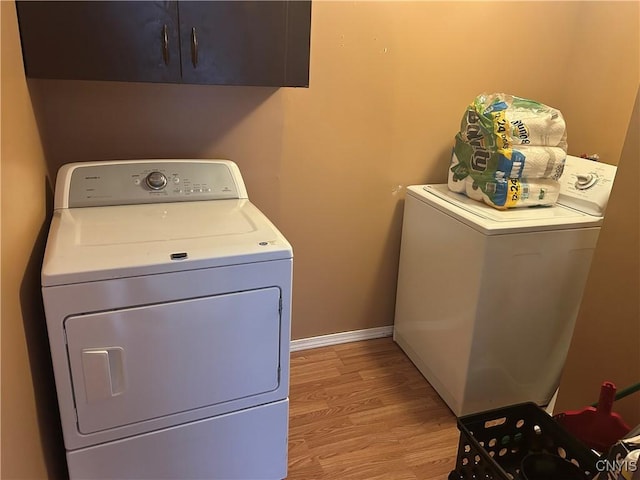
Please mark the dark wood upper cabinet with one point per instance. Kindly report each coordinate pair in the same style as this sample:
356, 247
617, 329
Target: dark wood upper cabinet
207, 42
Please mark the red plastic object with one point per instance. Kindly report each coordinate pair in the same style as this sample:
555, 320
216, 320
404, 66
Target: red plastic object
598, 428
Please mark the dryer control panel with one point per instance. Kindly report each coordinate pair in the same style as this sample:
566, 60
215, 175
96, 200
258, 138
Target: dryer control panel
585, 185
94, 184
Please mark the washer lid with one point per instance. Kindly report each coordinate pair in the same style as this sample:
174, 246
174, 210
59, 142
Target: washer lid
491, 221
100, 243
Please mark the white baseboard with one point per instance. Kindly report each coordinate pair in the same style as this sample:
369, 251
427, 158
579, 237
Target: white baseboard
342, 337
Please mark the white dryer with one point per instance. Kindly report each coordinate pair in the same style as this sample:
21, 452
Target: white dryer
487, 299
168, 300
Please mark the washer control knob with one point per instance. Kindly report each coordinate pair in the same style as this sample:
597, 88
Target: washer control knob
156, 181
585, 181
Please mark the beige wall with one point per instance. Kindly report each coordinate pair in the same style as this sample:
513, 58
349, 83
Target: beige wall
603, 71
31, 443
606, 341
389, 82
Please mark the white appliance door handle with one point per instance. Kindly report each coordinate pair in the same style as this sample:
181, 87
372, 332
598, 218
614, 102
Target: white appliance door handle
103, 370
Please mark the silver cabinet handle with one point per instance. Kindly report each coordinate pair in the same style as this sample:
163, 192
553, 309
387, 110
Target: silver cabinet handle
165, 44
194, 47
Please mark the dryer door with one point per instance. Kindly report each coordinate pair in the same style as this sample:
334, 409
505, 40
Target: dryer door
146, 362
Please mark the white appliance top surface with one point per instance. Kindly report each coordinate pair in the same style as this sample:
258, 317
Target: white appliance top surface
585, 187
99, 243
491, 221
90, 243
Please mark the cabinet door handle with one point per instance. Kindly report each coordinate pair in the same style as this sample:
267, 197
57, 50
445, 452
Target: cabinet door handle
194, 47
165, 44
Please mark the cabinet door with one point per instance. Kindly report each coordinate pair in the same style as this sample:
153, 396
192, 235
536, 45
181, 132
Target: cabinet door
242, 42
298, 43
124, 41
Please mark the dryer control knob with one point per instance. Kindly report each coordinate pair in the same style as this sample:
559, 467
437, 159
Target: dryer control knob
156, 181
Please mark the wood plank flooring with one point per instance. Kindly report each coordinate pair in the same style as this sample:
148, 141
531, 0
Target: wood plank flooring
363, 411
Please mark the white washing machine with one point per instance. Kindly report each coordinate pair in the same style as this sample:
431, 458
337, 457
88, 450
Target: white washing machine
168, 302
487, 299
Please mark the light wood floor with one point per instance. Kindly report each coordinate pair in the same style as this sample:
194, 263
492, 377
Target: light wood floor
362, 411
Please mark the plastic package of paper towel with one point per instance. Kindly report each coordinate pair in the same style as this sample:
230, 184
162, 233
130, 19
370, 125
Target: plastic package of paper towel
509, 152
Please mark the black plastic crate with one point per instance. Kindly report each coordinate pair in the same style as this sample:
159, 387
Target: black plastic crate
492, 444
